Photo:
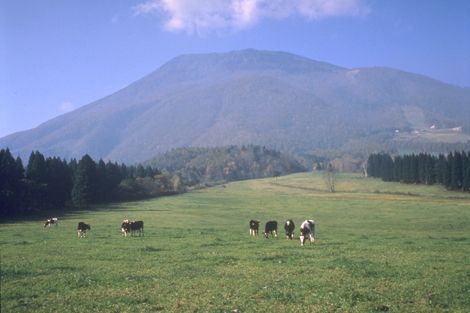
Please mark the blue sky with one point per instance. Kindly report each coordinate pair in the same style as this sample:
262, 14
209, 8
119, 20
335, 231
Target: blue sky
56, 56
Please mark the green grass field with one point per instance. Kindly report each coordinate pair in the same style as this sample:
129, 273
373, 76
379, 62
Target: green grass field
380, 247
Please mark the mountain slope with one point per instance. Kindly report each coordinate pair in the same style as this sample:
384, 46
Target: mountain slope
268, 98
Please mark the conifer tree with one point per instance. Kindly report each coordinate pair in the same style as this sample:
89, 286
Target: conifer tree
36, 169
84, 187
456, 171
10, 179
466, 171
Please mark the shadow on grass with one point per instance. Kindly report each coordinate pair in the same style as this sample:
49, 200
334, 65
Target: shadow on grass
42, 215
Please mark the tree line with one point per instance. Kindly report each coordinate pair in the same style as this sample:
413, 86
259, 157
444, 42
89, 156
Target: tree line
53, 183
451, 170
198, 166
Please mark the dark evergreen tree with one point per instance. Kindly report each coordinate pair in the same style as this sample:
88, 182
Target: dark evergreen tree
429, 169
386, 167
101, 188
466, 171
36, 169
84, 183
19, 167
407, 169
440, 169
36, 184
10, 182
114, 177
59, 182
398, 168
140, 171
447, 171
456, 171
414, 169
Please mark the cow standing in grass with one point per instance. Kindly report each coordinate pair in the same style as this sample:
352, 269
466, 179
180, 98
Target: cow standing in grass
254, 227
289, 227
51, 221
82, 228
270, 228
307, 231
131, 227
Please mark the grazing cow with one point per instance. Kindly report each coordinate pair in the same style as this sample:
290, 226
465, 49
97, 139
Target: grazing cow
51, 221
132, 227
125, 227
307, 230
289, 227
82, 229
254, 227
270, 228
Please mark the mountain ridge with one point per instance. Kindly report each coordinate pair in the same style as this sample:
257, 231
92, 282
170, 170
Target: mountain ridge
271, 98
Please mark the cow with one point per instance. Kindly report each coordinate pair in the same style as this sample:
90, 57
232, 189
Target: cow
270, 228
289, 227
131, 227
254, 227
307, 230
51, 221
82, 229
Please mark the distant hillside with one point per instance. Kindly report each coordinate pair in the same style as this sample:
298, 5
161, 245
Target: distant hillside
200, 165
274, 99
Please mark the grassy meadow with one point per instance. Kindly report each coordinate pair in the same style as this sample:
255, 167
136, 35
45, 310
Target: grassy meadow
380, 247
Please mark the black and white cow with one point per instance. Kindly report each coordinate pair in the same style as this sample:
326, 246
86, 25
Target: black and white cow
307, 231
289, 227
51, 221
270, 228
82, 229
254, 227
131, 227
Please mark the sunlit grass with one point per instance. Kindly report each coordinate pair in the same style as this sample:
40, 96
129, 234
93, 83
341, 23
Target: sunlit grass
380, 246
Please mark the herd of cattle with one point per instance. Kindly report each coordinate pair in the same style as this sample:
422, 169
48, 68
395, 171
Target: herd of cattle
132, 228
127, 227
307, 230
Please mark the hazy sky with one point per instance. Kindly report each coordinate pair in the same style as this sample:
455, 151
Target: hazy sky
57, 55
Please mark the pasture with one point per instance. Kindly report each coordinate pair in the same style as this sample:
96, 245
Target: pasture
381, 247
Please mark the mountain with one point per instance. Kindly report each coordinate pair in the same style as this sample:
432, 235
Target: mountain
276, 99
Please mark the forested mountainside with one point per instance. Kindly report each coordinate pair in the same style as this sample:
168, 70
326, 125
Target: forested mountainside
201, 165
274, 99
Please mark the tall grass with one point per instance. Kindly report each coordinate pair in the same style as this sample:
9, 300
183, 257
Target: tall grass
380, 247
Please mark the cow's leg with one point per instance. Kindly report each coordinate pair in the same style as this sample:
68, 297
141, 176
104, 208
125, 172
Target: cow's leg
302, 240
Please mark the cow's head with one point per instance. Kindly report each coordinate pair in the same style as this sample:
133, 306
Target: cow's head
125, 228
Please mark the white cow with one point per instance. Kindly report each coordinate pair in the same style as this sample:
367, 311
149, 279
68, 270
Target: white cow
307, 230
51, 221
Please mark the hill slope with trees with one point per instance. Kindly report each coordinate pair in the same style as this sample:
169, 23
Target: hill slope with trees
51, 183
208, 165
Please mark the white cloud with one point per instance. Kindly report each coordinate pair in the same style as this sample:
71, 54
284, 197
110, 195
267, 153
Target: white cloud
200, 16
66, 106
